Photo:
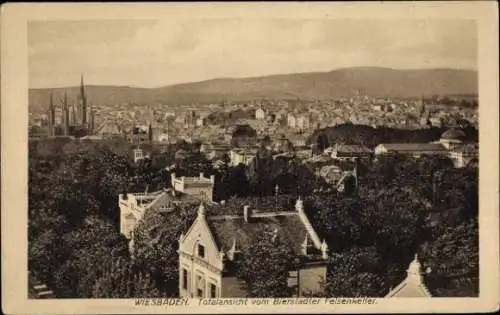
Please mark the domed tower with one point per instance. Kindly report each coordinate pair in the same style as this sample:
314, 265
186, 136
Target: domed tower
452, 137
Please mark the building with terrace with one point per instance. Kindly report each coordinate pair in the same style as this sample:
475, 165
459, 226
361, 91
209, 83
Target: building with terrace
134, 205
210, 250
199, 186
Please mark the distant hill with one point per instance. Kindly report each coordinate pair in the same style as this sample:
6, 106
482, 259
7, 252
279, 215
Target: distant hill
346, 82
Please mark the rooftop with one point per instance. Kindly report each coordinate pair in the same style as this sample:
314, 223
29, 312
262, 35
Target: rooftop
352, 148
413, 146
453, 134
228, 229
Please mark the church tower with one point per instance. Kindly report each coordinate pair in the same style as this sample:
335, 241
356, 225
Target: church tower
92, 121
74, 118
424, 113
83, 103
66, 114
51, 114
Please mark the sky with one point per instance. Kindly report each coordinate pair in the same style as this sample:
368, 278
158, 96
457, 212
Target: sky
153, 53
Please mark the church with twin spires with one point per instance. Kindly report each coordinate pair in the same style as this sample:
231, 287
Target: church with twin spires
68, 117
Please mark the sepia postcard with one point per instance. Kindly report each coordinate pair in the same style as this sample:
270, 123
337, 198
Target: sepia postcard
280, 157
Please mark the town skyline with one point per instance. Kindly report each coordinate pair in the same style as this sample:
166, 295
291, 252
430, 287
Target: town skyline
155, 53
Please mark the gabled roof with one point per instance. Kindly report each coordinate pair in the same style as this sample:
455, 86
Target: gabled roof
413, 285
226, 230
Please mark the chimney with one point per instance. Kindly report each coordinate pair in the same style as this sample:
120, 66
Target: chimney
247, 213
201, 175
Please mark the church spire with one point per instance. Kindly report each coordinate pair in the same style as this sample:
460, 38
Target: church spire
83, 102
51, 114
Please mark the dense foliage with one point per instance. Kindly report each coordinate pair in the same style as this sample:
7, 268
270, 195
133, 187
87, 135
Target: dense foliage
403, 206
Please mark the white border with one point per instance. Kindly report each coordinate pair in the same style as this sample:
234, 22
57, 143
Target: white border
14, 142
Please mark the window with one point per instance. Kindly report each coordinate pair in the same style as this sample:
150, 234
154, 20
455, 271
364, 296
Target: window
184, 279
213, 290
200, 284
201, 251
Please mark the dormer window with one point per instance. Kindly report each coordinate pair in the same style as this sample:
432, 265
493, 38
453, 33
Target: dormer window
201, 251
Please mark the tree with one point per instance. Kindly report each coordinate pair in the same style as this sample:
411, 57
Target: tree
453, 259
265, 266
355, 273
337, 219
156, 244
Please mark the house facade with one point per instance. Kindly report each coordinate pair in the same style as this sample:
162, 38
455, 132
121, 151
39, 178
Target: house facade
303, 122
242, 156
260, 113
209, 251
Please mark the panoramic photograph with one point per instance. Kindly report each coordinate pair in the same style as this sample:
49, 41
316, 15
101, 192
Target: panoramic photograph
259, 157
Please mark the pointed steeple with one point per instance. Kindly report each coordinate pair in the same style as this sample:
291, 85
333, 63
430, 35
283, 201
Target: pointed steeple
324, 250
201, 210
51, 115
74, 118
83, 103
414, 271
299, 205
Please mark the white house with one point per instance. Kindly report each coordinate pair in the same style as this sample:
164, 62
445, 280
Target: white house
133, 206
242, 156
211, 248
260, 113
303, 122
201, 186
291, 120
